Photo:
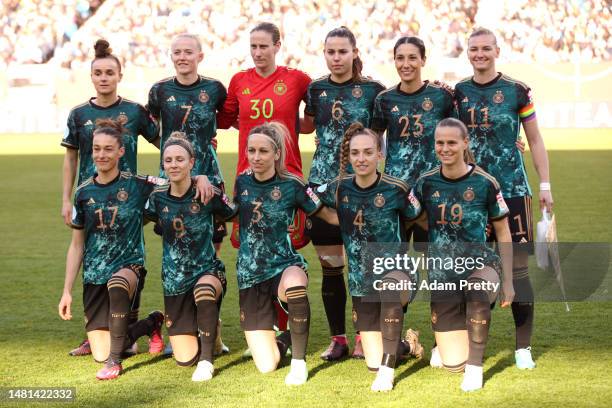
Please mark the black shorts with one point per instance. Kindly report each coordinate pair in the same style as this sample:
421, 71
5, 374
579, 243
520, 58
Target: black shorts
219, 232
320, 232
181, 313
520, 219
96, 305
366, 314
448, 310
419, 237
257, 311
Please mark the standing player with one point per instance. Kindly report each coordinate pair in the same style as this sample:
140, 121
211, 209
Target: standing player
105, 76
192, 275
459, 199
268, 267
409, 113
107, 239
371, 207
493, 106
266, 93
333, 103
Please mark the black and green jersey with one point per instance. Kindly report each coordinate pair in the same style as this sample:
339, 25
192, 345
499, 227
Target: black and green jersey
373, 214
187, 226
266, 209
334, 107
493, 113
191, 109
82, 123
458, 211
111, 215
410, 120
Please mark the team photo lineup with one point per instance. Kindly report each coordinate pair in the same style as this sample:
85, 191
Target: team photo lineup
418, 162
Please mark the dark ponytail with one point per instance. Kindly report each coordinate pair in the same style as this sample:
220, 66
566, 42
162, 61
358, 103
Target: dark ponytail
344, 32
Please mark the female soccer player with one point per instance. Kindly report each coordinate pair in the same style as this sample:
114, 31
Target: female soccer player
193, 277
409, 113
105, 76
371, 208
333, 103
107, 239
459, 199
268, 267
493, 106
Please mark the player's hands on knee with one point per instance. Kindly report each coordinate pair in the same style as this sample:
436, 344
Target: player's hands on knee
204, 189
507, 295
546, 200
520, 145
67, 212
64, 306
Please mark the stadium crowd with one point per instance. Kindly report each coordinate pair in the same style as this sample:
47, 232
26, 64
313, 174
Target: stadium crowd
548, 31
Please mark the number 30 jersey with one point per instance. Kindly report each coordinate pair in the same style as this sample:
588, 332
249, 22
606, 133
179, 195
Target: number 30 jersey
111, 215
253, 100
266, 209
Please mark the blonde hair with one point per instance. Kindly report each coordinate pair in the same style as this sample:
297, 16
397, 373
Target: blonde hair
277, 133
468, 155
187, 35
482, 31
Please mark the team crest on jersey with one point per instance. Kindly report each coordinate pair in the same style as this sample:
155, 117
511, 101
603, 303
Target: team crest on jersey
498, 97
427, 104
312, 195
280, 88
379, 200
194, 208
122, 118
122, 195
357, 92
468, 195
203, 96
276, 194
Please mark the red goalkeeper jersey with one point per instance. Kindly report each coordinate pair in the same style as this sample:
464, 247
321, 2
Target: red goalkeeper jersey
253, 100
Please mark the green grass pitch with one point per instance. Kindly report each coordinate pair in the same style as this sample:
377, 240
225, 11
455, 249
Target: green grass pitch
573, 350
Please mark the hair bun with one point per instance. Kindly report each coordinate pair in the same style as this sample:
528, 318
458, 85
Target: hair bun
177, 134
102, 48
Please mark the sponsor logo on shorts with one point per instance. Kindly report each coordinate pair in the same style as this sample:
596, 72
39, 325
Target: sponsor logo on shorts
498, 97
354, 316
427, 104
122, 195
308, 223
242, 316
168, 322
434, 317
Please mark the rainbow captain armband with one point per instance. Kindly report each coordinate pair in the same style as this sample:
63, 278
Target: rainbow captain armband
527, 113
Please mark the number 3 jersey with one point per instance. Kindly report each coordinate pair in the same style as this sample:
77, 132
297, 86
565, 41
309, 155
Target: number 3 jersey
187, 230
458, 211
493, 113
191, 109
372, 214
334, 107
410, 120
111, 215
266, 209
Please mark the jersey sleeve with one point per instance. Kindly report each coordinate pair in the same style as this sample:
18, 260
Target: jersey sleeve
78, 215
450, 106
71, 137
378, 117
327, 193
526, 108
228, 113
304, 83
222, 205
417, 190
306, 199
496, 205
412, 206
310, 108
150, 209
222, 96
148, 125
153, 105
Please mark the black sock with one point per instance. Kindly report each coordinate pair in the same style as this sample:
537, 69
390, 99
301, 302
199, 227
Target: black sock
299, 320
119, 300
141, 328
523, 311
333, 293
207, 316
478, 321
391, 324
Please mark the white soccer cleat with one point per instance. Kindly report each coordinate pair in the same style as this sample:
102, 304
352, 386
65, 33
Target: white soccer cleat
204, 371
298, 373
523, 359
384, 379
435, 361
472, 378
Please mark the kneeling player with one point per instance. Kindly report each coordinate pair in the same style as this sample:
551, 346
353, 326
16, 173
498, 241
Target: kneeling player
193, 277
371, 207
459, 199
268, 267
107, 239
